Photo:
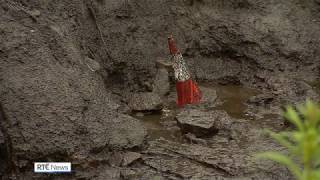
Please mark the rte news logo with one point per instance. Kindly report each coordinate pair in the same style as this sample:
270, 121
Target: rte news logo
52, 167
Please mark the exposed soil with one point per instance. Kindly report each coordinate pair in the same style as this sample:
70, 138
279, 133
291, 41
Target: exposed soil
68, 70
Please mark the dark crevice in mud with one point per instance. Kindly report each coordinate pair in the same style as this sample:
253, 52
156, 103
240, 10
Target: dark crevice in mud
202, 163
164, 173
7, 162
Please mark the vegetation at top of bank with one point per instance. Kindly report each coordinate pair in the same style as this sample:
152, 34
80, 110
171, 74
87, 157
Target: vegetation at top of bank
302, 142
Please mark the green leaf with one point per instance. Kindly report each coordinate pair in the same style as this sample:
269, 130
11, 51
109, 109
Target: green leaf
282, 159
293, 117
282, 138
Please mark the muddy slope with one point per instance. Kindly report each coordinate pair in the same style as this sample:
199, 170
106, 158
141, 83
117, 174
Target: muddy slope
64, 65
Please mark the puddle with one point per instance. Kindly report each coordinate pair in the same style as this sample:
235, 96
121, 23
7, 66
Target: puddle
163, 124
233, 100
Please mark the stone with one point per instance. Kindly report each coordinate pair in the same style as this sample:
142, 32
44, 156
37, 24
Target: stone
145, 102
139, 114
261, 99
35, 13
202, 123
128, 174
130, 157
126, 132
209, 95
161, 82
92, 64
194, 161
194, 140
109, 173
115, 159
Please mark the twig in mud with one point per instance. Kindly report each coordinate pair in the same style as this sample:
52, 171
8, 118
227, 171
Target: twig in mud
99, 30
19, 7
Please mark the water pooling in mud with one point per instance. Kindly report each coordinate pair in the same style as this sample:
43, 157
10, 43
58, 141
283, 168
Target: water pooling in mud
232, 99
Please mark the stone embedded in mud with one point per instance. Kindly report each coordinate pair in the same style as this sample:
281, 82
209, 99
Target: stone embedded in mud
145, 102
128, 174
126, 132
92, 64
129, 158
202, 123
261, 99
209, 95
161, 83
194, 140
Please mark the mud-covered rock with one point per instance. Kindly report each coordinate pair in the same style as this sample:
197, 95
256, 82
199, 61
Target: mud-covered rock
199, 162
108, 173
161, 82
92, 64
209, 96
291, 91
202, 123
130, 157
261, 99
54, 104
145, 102
125, 132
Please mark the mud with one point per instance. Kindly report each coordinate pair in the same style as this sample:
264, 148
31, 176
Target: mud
69, 68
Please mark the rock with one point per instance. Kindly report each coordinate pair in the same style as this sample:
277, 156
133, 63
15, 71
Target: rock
125, 133
54, 105
145, 102
92, 64
109, 173
139, 114
209, 95
161, 82
203, 123
193, 139
291, 91
191, 161
35, 13
130, 157
261, 99
115, 159
128, 174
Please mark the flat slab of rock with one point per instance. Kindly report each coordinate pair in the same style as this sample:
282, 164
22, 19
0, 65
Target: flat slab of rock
202, 123
209, 95
161, 84
145, 102
130, 157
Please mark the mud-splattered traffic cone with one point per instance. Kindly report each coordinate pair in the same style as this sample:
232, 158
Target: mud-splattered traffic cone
187, 90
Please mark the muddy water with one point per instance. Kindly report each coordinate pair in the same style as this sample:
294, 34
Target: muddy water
232, 100
161, 124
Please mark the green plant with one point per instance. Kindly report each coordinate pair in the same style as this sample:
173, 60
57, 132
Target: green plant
302, 143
